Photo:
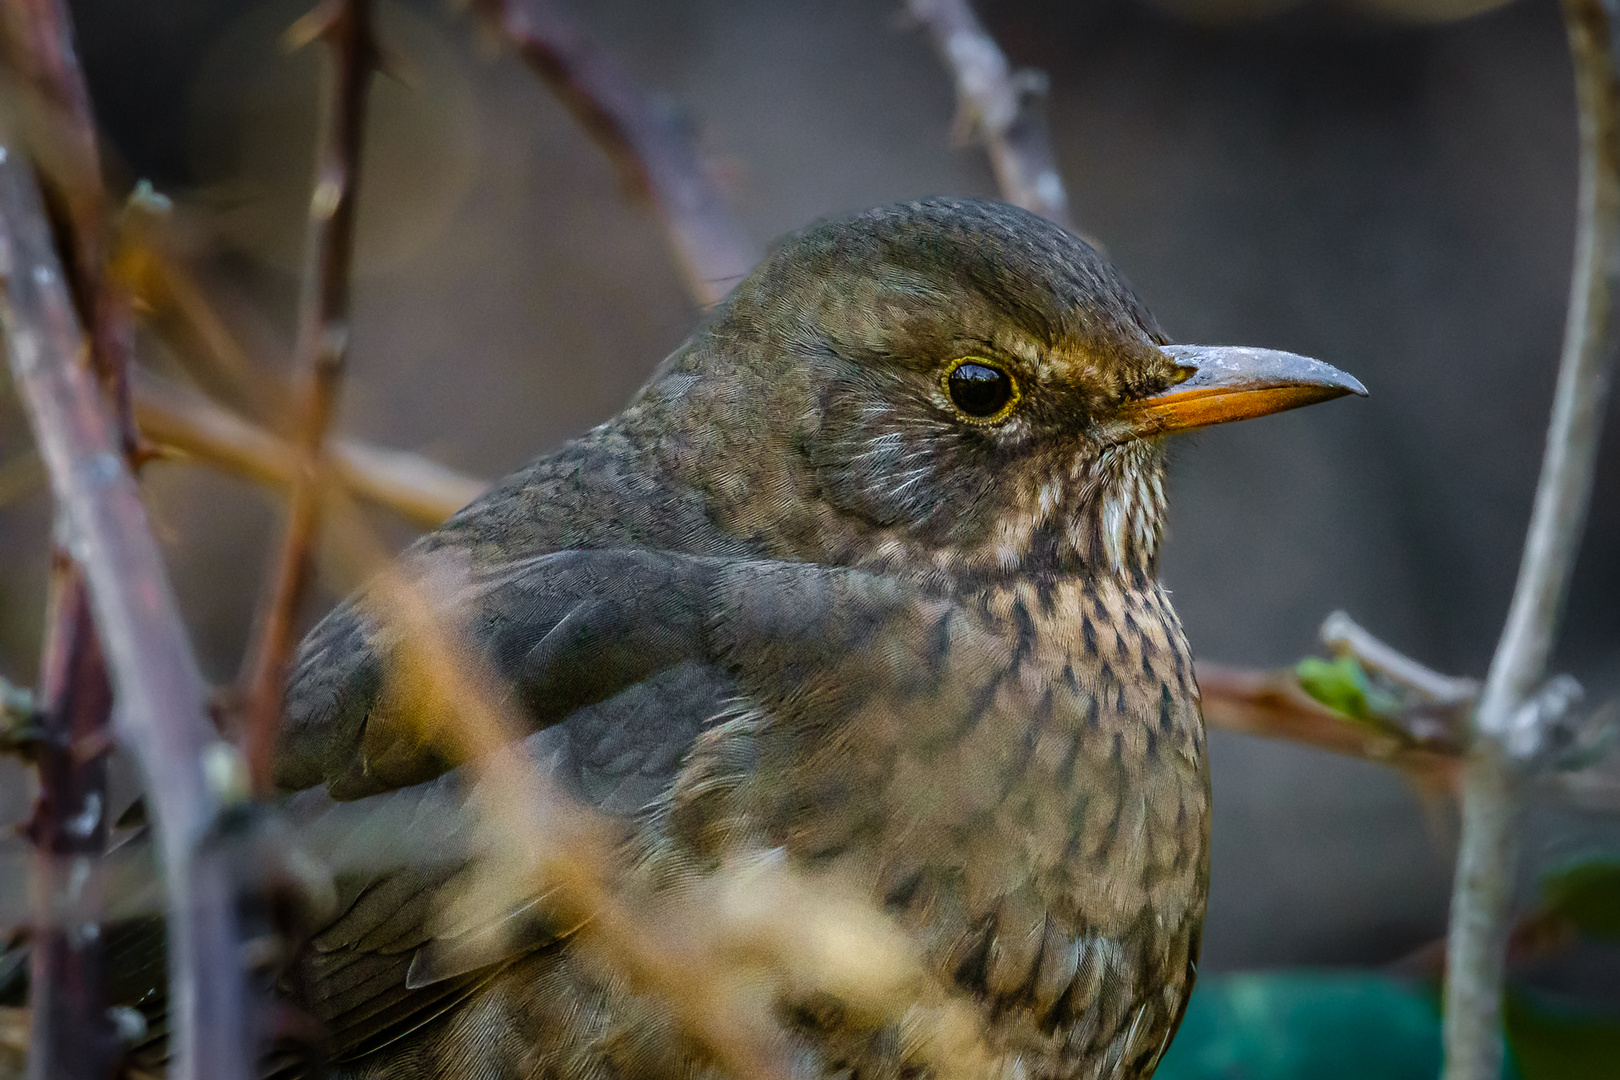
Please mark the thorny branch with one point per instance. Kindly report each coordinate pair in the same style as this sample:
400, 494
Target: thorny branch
159, 689
643, 137
1491, 785
72, 1037
1003, 108
56, 105
321, 350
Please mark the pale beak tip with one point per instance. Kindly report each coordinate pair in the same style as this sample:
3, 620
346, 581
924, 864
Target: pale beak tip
1228, 383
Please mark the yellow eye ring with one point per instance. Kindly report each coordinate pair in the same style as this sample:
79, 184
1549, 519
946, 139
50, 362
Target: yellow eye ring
982, 391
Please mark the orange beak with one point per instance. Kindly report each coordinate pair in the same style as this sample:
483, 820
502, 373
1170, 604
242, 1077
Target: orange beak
1226, 383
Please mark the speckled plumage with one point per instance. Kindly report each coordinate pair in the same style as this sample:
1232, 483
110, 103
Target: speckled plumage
789, 598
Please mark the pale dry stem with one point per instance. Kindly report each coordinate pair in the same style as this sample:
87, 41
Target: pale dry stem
718, 953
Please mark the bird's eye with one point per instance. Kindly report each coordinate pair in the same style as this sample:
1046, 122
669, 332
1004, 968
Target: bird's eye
982, 391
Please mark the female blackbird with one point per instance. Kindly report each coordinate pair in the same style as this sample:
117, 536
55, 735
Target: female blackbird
865, 573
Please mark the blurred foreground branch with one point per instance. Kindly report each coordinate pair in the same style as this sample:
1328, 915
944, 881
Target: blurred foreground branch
189, 424
159, 689
644, 138
1510, 728
1003, 108
718, 954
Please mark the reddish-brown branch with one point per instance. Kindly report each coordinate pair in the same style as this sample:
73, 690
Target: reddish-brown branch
63, 133
72, 1037
321, 352
1271, 703
644, 139
1003, 107
159, 689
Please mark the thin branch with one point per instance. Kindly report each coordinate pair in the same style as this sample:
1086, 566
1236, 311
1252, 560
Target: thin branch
190, 425
321, 351
1005, 109
643, 137
1271, 704
1345, 637
159, 689
1492, 787
177, 307
153, 260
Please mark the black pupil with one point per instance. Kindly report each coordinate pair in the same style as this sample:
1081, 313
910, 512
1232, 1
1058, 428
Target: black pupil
980, 390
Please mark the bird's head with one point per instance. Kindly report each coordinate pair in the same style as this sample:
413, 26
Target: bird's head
956, 386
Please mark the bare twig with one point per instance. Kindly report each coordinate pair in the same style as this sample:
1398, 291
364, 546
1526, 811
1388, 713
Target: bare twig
1271, 703
322, 348
1345, 637
1004, 108
190, 425
158, 687
646, 141
1491, 786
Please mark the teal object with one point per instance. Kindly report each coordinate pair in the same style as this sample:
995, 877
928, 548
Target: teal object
1306, 1026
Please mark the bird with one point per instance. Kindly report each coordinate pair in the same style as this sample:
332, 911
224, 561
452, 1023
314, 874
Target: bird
865, 575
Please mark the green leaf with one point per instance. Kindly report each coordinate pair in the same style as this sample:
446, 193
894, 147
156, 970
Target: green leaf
1344, 687
1561, 1043
1586, 891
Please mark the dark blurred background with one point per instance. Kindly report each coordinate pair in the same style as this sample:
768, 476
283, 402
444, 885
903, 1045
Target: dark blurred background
1386, 185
